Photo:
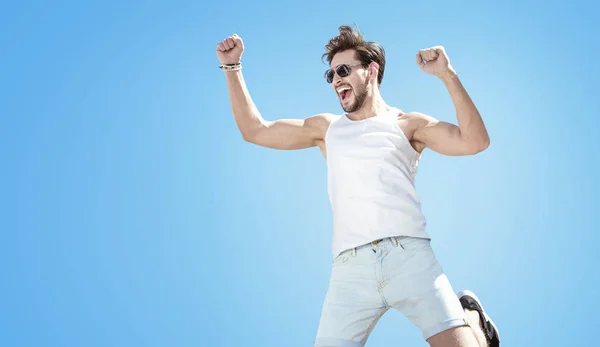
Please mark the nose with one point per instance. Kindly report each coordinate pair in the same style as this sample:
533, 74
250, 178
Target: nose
336, 85
337, 80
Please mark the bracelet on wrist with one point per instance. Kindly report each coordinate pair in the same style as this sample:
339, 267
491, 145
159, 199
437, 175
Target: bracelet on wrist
231, 67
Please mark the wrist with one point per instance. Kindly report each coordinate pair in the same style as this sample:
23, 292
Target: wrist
231, 67
447, 76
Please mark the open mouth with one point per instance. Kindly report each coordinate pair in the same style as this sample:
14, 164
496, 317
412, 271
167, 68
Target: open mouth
345, 93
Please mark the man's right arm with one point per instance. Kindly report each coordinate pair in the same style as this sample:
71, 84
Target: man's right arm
279, 134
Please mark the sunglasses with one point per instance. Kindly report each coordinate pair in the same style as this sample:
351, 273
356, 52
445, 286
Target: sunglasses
342, 70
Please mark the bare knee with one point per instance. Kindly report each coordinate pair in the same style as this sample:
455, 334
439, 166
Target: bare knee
455, 337
475, 322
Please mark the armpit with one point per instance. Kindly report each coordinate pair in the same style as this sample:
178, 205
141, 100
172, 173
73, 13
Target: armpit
412, 121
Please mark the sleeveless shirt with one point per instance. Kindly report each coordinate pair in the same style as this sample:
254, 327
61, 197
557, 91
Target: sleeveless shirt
371, 168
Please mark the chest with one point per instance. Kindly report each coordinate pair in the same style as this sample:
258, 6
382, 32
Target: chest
368, 140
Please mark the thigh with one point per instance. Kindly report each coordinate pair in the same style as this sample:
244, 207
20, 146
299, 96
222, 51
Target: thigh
353, 304
420, 290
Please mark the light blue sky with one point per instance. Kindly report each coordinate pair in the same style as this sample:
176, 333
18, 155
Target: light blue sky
133, 214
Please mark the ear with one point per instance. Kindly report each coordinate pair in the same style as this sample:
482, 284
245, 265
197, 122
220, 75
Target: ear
373, 70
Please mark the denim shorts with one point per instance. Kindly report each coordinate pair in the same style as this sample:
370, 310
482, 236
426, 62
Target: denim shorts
400, 273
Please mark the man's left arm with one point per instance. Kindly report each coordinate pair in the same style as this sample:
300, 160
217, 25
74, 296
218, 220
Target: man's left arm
470, 136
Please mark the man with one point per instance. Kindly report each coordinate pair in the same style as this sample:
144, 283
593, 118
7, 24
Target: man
382, 254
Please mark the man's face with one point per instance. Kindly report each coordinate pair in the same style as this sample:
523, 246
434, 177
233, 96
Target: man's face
352, 89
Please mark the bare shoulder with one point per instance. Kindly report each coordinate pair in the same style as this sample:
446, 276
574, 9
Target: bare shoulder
410, 123
320, 120
319, 123
418, 119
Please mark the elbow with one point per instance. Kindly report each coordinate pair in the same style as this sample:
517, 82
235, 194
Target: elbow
486, 144
476, 147
248, 136
251, 134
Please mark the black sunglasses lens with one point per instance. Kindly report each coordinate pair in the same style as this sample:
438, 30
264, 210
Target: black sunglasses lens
329, 75
343, 70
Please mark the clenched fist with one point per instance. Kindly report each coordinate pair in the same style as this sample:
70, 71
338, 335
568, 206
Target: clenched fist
434, 61
229, 51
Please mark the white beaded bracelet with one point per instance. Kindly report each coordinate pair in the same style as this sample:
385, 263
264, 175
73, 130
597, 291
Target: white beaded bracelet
231, 67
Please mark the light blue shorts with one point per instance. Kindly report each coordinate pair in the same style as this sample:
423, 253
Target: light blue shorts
401, 273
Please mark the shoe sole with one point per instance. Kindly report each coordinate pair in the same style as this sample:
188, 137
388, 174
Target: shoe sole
485, 315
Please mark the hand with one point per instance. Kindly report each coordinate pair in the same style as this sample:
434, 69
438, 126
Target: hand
229, 51
435, 61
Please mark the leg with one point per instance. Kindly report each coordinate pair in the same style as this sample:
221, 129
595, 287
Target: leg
483, 327
454, 337
462, 336
353, 304
418, 287
480, 326
475, 324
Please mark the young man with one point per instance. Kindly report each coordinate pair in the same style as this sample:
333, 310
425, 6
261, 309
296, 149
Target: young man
382, 254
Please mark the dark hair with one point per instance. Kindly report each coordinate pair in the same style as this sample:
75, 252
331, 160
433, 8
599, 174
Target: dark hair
366, 52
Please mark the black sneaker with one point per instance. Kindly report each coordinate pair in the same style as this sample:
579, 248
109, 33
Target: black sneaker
470, 301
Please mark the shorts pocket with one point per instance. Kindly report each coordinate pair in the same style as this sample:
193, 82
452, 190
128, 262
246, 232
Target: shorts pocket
414, 243
341, 259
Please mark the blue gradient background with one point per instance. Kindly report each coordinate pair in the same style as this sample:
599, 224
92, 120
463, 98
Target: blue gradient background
133, 214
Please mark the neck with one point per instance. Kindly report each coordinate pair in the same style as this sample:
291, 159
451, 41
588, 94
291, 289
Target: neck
372, 107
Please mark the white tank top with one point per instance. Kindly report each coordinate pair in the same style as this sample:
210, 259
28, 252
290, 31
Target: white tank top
371, 170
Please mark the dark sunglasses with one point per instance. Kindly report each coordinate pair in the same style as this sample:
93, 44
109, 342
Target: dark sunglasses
342, 70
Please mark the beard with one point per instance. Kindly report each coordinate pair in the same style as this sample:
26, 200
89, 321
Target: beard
360, 95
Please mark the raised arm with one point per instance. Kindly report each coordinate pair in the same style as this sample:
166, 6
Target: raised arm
278, 134
470, 136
